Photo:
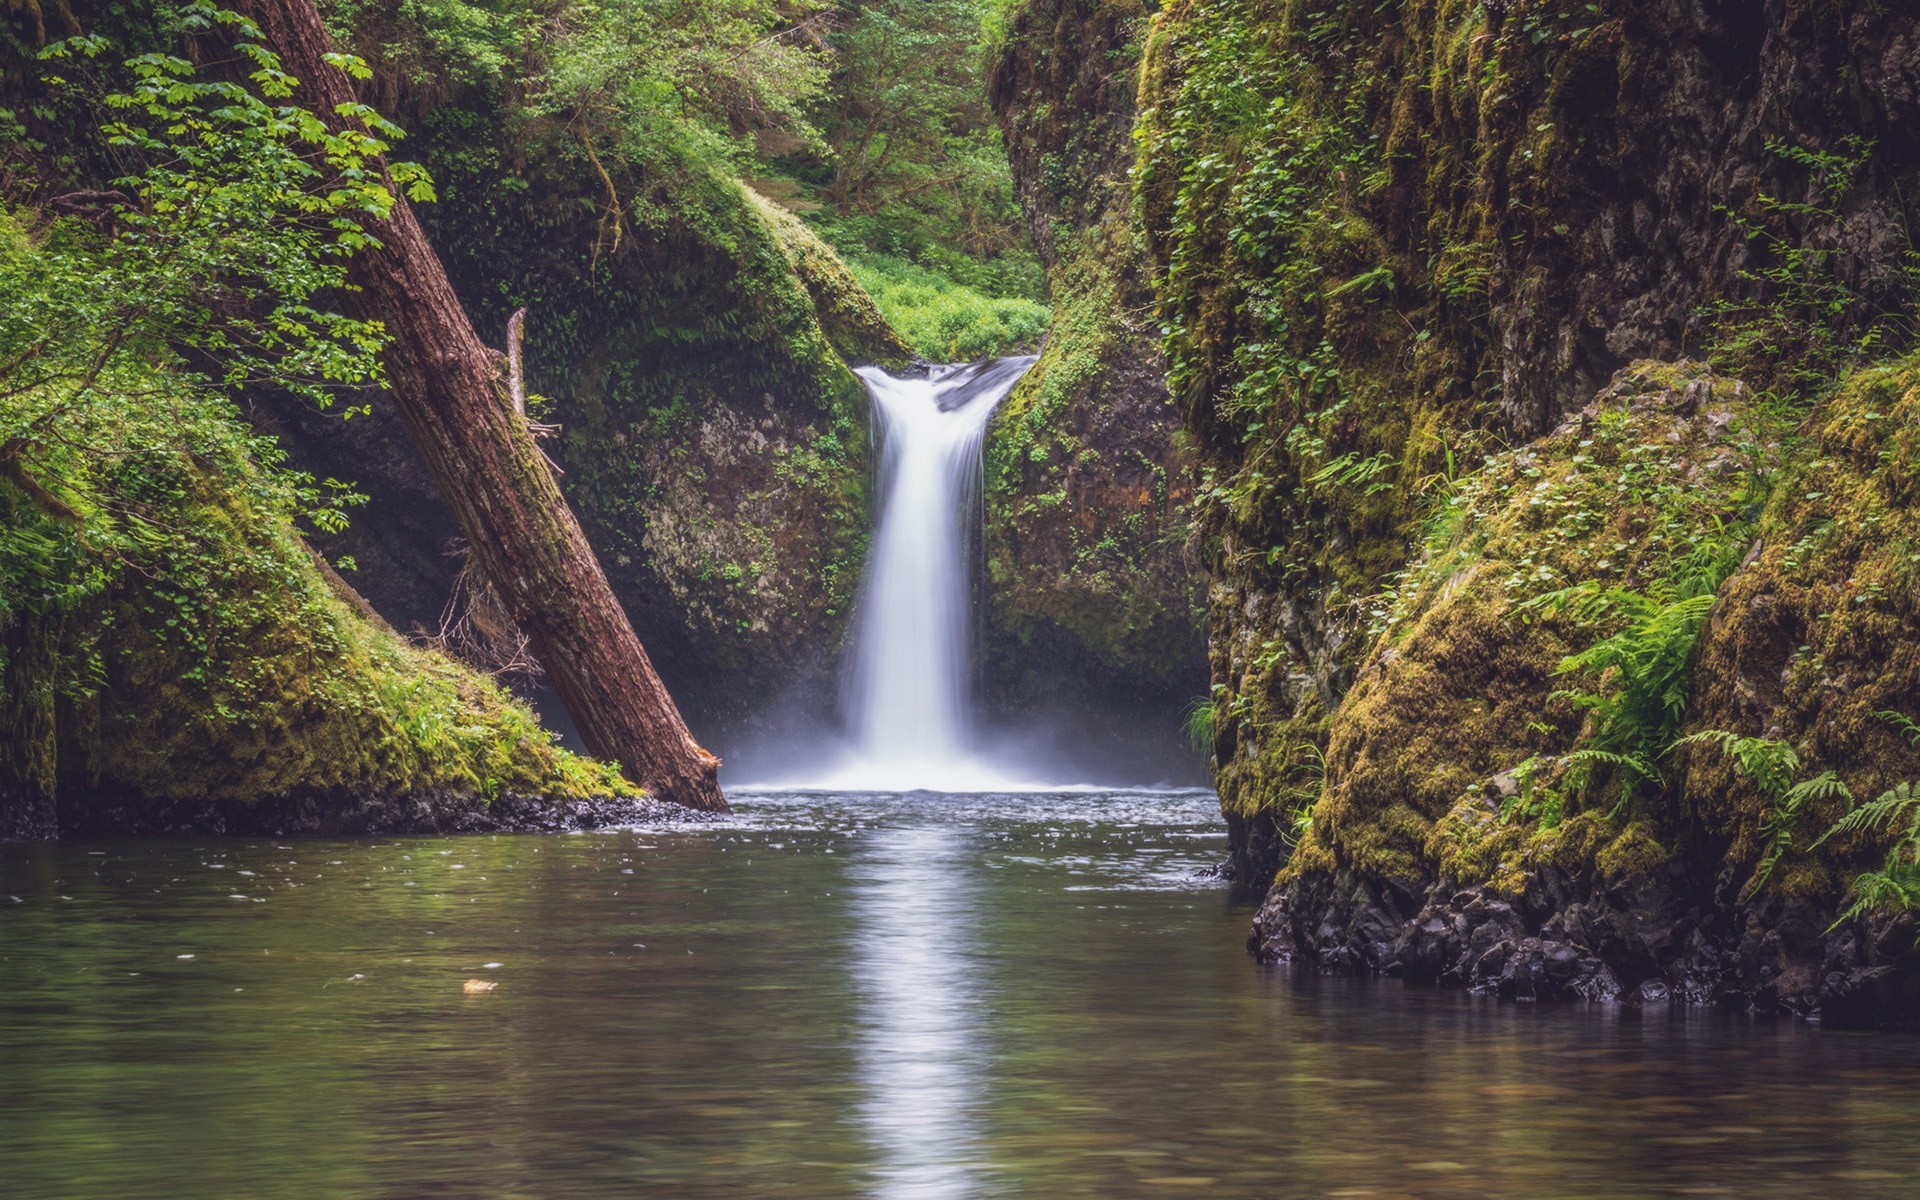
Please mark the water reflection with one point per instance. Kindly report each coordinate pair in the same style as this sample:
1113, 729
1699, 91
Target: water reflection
1031, 997
919, 1016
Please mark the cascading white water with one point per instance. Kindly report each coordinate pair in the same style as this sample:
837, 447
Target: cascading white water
909, 676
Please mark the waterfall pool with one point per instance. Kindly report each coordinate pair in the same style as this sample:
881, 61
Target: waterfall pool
838, 996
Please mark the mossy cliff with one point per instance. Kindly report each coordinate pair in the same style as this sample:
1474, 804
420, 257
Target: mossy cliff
1395, 247
177, 659
1090, 590
691, 340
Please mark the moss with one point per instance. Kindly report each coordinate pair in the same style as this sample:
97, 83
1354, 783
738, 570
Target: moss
1634, 853
219, 665
848, 316
1814, 636
1087, 501
1460, 678
1088, 479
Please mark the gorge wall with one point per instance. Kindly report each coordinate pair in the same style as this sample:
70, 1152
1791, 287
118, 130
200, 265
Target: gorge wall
1092, 591
1545, 366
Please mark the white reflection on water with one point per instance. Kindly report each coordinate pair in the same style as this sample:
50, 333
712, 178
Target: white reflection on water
919, 1014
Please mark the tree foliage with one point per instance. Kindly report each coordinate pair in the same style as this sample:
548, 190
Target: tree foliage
206, 269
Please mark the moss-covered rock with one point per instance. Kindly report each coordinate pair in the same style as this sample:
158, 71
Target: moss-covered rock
1444, 757
1817, 637
1390, 238
1457, 835
219, 676
1091, 593
1459, 684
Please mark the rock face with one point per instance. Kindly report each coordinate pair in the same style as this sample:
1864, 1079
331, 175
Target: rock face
1439, 847
232, 684
1389, 238
713, 438
1398, 249
1091, 593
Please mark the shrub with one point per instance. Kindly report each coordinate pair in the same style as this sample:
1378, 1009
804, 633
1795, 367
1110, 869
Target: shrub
947, 321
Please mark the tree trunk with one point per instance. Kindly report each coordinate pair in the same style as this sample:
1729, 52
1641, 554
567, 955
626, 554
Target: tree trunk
448, 388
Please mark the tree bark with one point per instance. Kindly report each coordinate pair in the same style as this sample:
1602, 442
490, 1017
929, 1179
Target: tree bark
448, 388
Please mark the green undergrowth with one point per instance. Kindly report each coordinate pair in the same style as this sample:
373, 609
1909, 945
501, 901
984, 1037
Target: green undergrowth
947, 321
165, 634
1485, 733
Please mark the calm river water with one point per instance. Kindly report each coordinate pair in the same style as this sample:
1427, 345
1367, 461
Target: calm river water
876, 996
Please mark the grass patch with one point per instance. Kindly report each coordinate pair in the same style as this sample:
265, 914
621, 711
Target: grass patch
948, 321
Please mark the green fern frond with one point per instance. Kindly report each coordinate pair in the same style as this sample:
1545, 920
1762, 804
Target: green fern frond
1634, 763
1719, 739
1894, 889
1909, 728
1824, 786
1900, 800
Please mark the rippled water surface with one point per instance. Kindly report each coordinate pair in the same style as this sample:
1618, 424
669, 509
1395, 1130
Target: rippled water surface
837, 996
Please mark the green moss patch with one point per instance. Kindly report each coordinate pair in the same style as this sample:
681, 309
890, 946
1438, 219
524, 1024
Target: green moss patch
1459, 683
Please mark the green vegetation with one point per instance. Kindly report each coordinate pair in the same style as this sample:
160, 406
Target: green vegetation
1797, 297
1646, 671
900, 167
1894, 887
163, 629
1591, 544
945, 321
1774, 767
910, 163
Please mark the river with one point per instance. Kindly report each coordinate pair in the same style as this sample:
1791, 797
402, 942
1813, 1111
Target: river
838, 996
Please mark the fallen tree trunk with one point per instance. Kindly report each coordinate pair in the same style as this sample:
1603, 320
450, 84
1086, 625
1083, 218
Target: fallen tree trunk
448, 388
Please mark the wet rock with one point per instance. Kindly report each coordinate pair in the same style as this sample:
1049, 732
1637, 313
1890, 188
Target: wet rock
346, 813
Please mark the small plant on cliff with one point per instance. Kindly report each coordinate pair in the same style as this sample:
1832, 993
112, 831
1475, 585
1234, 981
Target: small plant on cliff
1895, 887
1534, 799
1773, 766
1198, 724
1642, 675
1804, 322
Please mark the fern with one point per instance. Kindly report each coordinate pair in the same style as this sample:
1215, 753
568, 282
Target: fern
1782, 823
1897, 802
1908, 728
1644, 671
1895, 887
1773, 766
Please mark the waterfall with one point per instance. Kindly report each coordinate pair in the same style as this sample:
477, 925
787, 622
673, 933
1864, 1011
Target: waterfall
909, 679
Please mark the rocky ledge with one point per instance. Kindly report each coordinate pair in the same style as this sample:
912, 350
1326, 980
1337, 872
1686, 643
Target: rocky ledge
1573, 936
340, 813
